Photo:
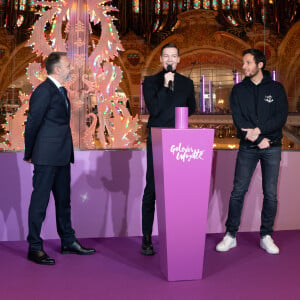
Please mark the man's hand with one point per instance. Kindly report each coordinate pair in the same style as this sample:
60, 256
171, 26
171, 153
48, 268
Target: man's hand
168, 77
264, 144
252, 133
28, 160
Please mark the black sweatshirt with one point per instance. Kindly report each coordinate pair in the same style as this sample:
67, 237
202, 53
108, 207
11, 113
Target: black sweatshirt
161, 102
264, 106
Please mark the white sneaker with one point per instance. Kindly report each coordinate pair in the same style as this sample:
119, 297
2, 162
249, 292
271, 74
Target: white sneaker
268, 244
227, 243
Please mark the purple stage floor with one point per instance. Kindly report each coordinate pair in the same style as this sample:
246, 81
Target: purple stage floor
118, 271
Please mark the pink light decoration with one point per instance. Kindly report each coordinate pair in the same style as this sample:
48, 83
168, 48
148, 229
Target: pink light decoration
202, 84
141, 98
274, 75
236, 77
210, 96
94, 76
15, 126
181, 117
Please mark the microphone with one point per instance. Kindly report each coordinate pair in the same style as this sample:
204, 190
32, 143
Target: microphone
170, 83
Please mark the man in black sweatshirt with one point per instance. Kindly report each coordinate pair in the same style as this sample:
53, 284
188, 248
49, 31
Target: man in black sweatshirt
162, 93
259, 110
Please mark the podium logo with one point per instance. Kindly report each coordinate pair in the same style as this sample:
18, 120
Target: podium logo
186, 153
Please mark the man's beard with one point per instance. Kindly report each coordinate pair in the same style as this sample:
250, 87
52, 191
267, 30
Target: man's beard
253, 74
68, 78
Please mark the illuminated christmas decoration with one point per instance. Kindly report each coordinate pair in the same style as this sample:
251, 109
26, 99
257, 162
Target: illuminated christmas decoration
197, 4
157, 6
15, 125
20, 21
136, 6
92, 90
206, 4
215, 4
225, 4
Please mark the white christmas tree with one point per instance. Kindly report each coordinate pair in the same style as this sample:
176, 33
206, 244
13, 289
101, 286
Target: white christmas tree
95, 79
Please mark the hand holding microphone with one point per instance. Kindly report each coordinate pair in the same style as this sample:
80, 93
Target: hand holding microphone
169, 78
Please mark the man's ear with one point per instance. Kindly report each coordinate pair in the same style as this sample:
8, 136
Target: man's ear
56, 69
260, 65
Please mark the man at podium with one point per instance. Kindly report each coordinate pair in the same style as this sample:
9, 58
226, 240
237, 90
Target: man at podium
162, 93
259, 111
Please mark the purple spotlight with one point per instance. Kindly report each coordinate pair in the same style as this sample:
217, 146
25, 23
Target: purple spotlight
141, 98
236, 77
202, 84
210, 96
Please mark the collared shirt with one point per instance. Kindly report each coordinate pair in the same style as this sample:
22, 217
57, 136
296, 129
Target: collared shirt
59, 86
55, 81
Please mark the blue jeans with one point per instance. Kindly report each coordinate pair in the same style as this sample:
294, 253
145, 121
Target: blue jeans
246, 162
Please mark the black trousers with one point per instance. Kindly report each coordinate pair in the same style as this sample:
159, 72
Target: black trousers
148, 205
46, 179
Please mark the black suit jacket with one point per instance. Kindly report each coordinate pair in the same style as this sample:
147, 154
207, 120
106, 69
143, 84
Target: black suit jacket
48, 139
161, 102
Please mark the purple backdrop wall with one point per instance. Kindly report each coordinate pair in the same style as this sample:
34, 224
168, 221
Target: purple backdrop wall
107, 188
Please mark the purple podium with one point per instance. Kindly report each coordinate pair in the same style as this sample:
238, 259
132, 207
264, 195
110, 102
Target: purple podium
182, 166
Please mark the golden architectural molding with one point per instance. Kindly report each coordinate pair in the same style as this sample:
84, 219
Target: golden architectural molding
198, 20
6, 45
15, 65
257, 33
289, 63
221, 49
133, 61
135, 52
200, 40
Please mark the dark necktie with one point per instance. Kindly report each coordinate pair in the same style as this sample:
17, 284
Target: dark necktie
64, 93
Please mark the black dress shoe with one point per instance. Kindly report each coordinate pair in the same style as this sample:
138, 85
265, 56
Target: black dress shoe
147, 247
76, 248
40, 257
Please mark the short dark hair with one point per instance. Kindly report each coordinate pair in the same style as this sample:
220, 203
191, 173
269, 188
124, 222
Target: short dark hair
258, 56
169, 45
52, 60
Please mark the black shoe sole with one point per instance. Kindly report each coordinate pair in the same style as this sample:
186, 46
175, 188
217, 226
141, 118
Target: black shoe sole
41, 263
78, 253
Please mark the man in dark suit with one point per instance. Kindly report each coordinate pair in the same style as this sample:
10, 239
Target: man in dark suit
49, 146
162, 93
